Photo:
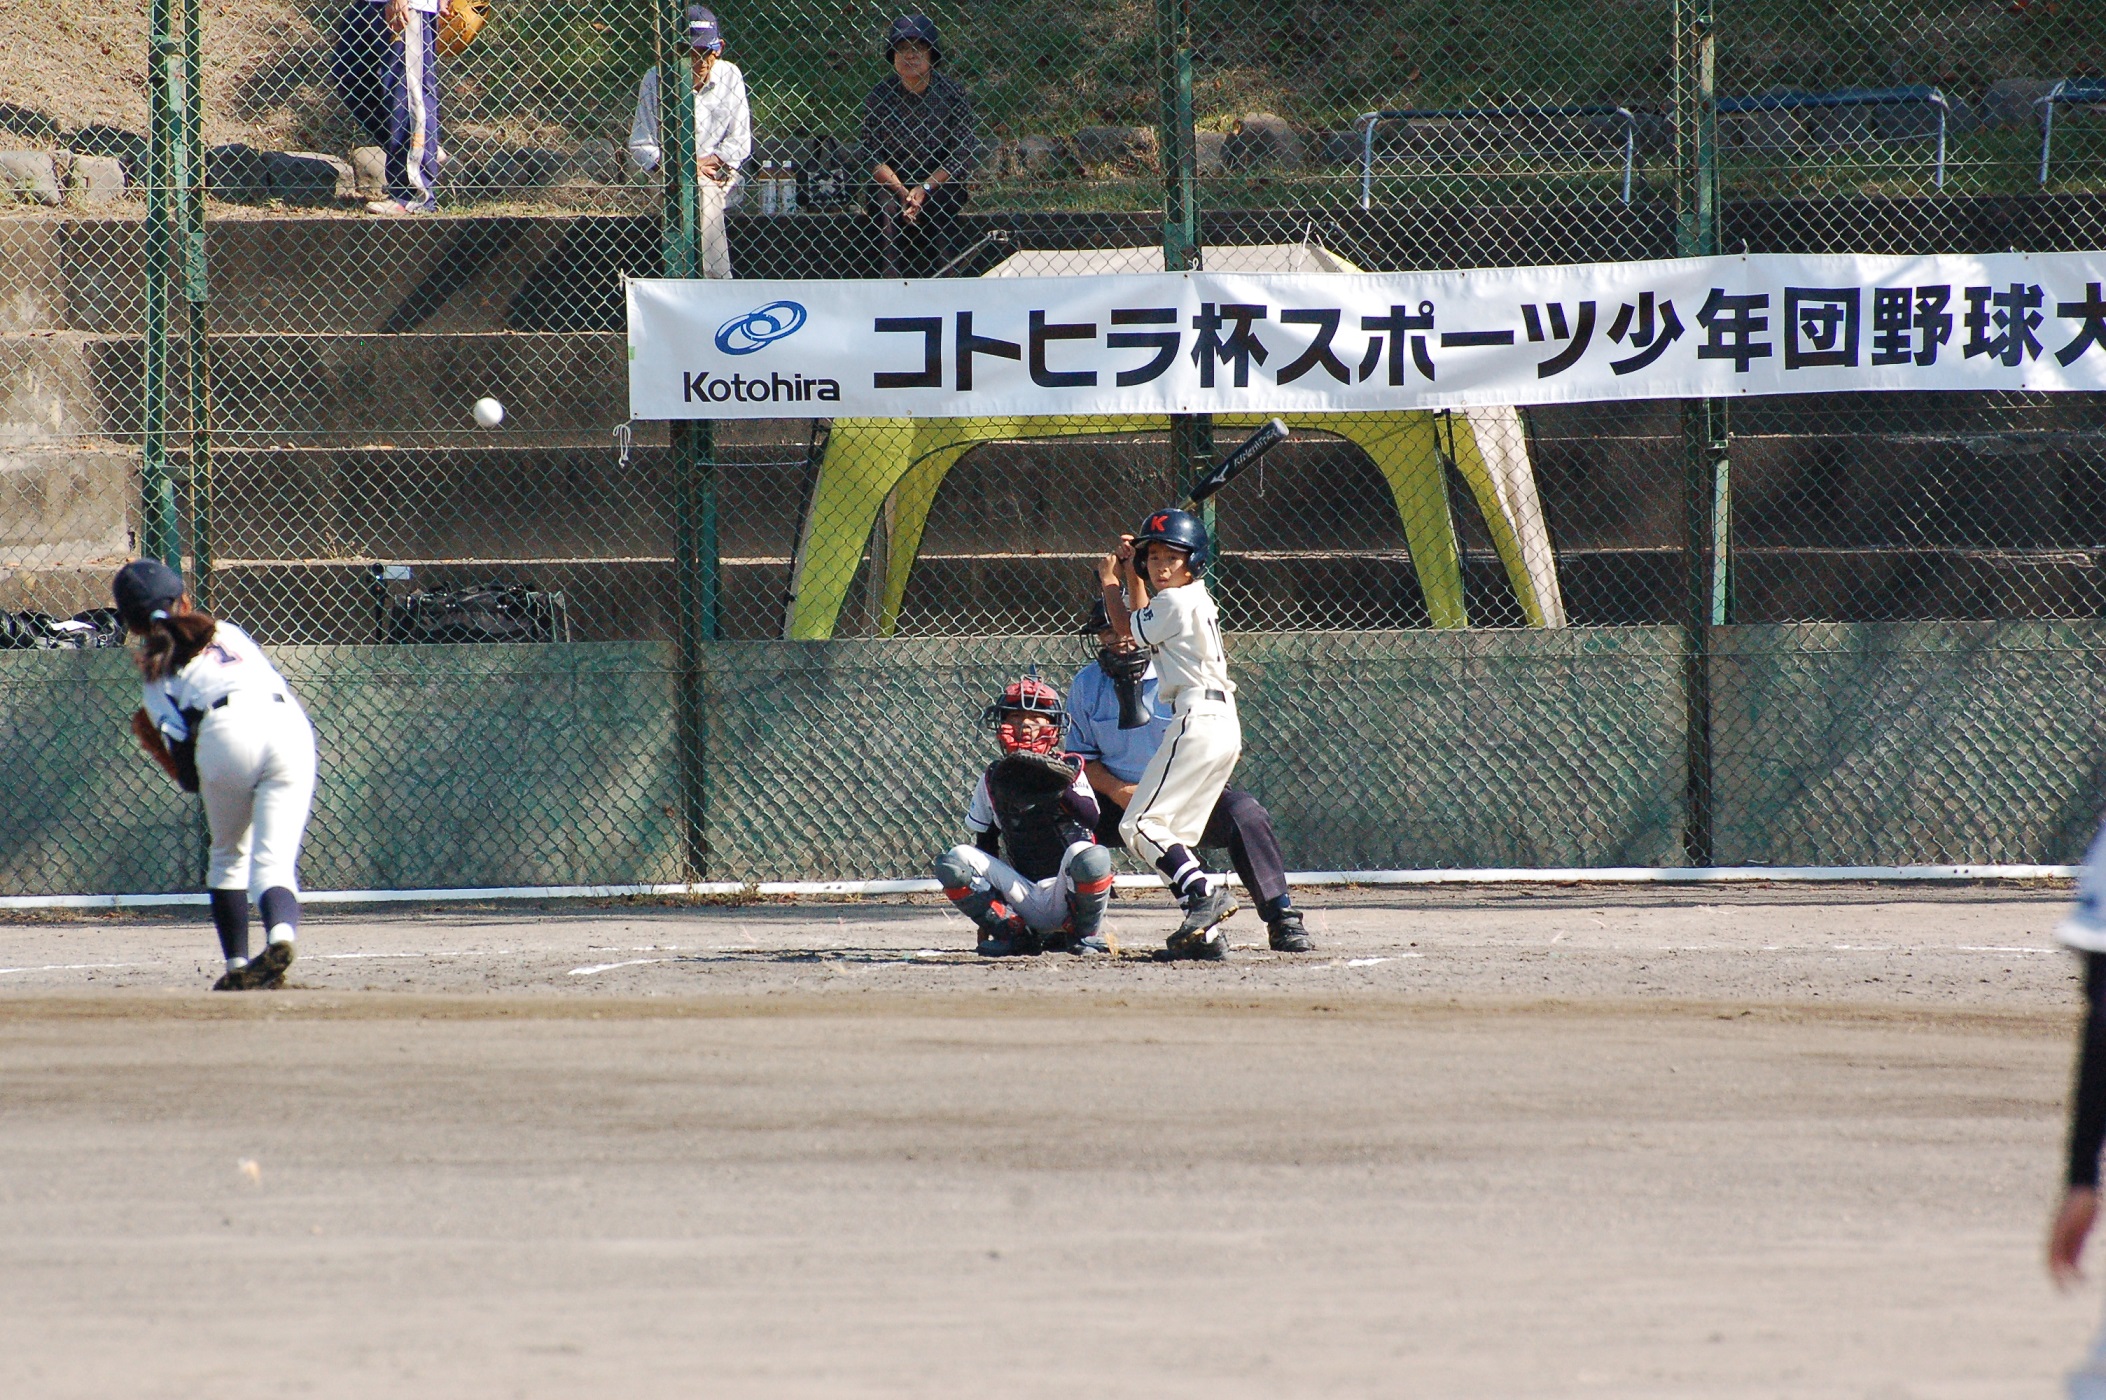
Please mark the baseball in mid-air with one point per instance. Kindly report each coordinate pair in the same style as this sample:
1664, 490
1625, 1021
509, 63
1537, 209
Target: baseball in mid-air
488, 413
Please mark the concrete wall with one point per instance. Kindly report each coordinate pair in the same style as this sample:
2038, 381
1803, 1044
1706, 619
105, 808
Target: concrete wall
449, 766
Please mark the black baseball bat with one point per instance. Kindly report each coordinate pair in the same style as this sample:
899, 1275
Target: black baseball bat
1230, 467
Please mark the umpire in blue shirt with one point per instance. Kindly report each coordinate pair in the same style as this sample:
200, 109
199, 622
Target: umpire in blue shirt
1114, 758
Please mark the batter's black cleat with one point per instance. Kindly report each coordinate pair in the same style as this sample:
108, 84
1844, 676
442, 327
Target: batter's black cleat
1200, 935
230, 980
267, 969
1287, 935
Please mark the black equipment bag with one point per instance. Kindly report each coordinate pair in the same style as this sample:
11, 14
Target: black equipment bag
501, 612
35, 631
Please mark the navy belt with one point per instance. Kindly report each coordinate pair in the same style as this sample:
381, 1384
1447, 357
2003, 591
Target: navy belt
221, 703
1215, 694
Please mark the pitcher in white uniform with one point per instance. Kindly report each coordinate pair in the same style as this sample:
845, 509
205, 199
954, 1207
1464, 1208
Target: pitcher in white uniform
222, 723
1154, 594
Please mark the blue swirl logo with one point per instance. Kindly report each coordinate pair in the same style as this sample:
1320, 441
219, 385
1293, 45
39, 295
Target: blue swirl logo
763, 326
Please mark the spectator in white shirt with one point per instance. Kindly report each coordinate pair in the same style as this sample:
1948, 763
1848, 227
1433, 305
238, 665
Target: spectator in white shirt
723, 134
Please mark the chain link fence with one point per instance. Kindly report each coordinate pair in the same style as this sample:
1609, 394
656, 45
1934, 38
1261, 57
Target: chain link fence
262, 264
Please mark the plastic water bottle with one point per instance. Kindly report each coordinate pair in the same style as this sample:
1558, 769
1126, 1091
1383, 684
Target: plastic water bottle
770, 189
786, 202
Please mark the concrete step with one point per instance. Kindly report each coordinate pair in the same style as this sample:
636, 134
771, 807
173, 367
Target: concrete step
65, 525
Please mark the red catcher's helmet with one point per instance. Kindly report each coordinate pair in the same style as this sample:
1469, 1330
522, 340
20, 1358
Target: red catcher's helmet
1032, 696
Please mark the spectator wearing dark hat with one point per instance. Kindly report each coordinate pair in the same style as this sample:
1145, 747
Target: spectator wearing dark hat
723, 134
920, 145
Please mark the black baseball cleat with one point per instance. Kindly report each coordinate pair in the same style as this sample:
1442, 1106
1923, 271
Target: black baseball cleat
1200, 936
267, 969
230, 980
1287, 935
1012, 938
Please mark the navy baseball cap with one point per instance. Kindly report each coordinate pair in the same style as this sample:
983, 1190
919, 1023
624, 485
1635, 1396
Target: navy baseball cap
702, 31
913, 27
1099, 620
141, 588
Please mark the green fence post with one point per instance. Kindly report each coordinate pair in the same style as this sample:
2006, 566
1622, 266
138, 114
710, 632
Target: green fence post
1705, 443
196, 293
695, 561
1191, 434
157, 514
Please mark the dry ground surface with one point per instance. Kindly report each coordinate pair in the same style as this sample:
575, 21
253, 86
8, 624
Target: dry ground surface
1510, 1142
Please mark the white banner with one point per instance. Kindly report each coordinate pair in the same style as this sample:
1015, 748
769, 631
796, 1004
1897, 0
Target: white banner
1291, 343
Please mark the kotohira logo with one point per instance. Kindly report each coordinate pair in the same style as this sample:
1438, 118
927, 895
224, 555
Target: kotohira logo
762, 326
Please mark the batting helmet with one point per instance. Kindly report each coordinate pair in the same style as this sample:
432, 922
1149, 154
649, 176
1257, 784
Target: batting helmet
1031, 696
1180, 529
914, 27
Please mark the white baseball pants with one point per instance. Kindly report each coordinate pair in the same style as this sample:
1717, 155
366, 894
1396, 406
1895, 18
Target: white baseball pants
1041, 904
1183, 781
255, 769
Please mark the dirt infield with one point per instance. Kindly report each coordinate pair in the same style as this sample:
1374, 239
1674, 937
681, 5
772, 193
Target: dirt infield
1484, 1143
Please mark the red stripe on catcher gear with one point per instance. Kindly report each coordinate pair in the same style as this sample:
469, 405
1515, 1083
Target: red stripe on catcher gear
961, 892
1094, 886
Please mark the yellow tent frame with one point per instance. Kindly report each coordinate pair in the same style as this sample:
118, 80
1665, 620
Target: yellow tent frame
870, 460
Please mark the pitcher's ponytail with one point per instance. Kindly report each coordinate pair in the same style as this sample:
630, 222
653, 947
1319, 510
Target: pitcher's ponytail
172, 641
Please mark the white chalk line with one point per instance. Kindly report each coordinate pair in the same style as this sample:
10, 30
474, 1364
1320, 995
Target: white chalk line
1706, 875
609, 967
77, 967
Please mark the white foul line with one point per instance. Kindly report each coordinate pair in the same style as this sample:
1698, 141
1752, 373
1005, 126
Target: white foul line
1607, 875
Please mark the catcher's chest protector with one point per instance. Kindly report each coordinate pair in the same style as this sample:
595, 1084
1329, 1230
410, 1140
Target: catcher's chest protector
1037, 828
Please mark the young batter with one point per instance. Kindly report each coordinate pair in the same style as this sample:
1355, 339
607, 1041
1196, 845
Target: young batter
1153, 594
222, 723
1052, 891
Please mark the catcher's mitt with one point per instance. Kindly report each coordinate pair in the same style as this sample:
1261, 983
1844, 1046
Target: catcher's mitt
1034, 774
460, 24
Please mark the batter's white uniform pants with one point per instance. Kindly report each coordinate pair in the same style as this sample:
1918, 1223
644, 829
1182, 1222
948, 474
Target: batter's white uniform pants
255, 770
1041, 904
1183, 781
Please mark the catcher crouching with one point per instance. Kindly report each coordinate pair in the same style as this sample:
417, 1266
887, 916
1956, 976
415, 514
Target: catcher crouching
1034, 807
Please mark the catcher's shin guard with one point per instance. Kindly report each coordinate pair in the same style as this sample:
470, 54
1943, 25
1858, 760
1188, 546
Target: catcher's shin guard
1089, 890
971, 892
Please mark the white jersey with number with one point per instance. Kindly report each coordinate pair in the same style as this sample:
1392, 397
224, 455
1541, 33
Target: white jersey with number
1182, 629
230, 663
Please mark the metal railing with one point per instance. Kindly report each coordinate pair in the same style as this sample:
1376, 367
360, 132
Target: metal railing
1368, 121
1852, 97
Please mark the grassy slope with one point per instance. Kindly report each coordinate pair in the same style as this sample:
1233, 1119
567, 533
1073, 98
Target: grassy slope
555, 71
